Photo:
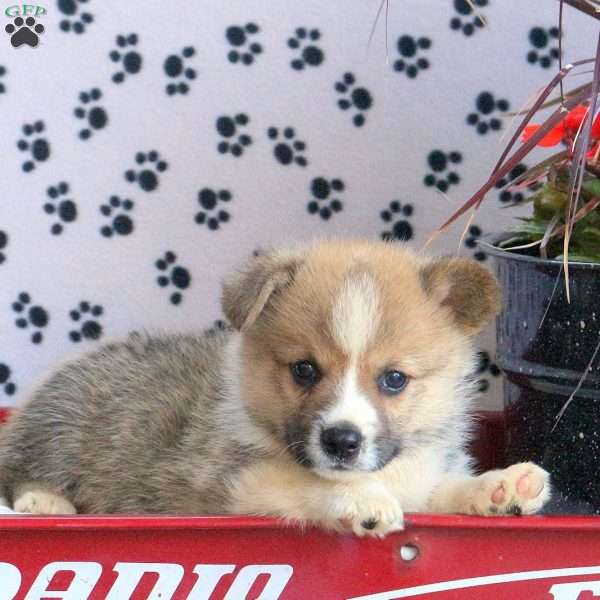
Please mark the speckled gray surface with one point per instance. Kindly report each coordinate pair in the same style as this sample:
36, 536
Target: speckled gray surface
543, 355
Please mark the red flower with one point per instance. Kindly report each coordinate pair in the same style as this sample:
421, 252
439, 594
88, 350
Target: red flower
566, 129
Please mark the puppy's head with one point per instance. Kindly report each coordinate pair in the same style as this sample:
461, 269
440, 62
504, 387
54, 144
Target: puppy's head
353, 352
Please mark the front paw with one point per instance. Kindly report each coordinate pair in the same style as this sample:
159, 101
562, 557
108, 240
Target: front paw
522, 488
369, 511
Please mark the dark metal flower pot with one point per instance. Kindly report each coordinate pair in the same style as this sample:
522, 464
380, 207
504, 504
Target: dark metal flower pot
544, 346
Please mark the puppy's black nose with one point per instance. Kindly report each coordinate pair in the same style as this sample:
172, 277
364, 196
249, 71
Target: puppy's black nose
341, 442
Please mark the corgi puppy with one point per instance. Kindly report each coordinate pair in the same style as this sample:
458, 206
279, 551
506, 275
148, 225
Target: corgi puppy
340, 398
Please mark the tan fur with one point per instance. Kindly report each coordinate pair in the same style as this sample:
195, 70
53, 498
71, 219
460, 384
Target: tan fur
217, 422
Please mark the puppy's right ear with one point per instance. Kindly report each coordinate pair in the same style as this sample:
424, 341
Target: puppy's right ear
248, 292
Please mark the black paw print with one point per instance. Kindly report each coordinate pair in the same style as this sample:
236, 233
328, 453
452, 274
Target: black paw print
39, 147
227, 127
34, 315
245, 49
5, 380
63, 208
485, 366
354, 97
95, 115
471, 240
129, 58
325, 201
408, 48
311, 55
2, 74
175, 275
439, 162
76, 20
147, 178
287, 149
3, 244
465, 23
209, 199
86, 315
24, 31
486, 104
398, 214
540, 39
508, 196
120, 223
175, 68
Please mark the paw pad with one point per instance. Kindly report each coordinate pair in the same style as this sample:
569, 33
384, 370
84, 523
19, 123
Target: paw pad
211, 215
86, 315
116, 210
357, 98
287, 149
310, 55
147, 178
37, 146
398, 214
244, 49
325, 193
58, 206
126, 54
33, 316
95, 116
176, 68
173, 275
228, 128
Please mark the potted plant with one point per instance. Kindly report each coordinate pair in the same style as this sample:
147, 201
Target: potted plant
548, 335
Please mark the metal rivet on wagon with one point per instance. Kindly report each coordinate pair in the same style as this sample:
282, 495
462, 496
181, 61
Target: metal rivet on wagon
408, 552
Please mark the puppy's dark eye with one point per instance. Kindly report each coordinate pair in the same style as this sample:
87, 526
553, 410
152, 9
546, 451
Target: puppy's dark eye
392, 382
305, 373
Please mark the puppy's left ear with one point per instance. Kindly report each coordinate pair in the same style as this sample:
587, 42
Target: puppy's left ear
467, 289
248, 292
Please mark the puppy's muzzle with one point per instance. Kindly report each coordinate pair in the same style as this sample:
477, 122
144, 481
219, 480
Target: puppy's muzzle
341, 442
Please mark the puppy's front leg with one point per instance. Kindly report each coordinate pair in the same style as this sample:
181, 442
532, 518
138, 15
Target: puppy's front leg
278, 488
522, 488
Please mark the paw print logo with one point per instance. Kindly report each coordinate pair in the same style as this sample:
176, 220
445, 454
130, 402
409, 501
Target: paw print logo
34, 316
244, 49
147, 178
173, 276
75, 20
468, 21
2, 74
86, 316
3, 244
354, 97
484, 367
116, 211
471, 240
398, 215
24, 31
439, 162
326, 201
210, 215
8, 386
176, 68
310, 54
126, 54
287, 149
59, 206
409, 62
228, 128
95, 116
37, 146
486, 104
508, 196
541, 39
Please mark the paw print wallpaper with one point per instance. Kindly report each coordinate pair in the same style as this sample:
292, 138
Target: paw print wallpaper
149, 147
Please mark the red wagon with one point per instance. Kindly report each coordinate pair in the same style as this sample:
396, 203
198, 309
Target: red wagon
233, 558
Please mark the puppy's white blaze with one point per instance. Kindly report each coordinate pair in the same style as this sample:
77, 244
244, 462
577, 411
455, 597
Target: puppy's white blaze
356, 314
353, 407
